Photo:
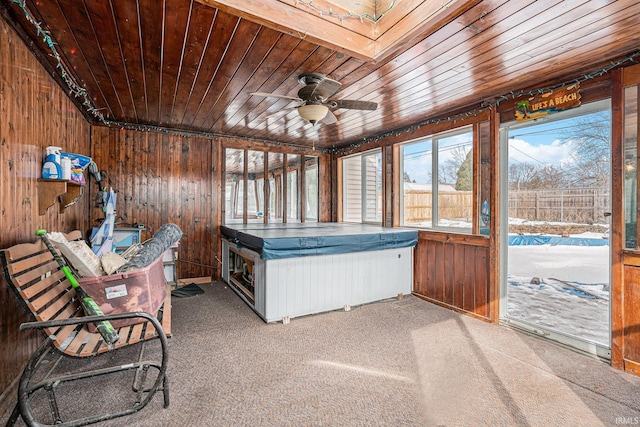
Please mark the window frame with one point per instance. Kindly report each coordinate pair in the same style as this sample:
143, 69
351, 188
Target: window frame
434, 138
379, 183
268, 196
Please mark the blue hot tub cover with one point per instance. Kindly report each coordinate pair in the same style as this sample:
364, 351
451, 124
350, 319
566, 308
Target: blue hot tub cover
274, 241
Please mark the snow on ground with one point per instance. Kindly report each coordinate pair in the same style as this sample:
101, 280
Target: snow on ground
522, 221
572, 295
584, 264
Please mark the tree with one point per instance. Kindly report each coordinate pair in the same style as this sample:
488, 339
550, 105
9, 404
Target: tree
448, 170
549, 177
406, 177
526, 176
464, 181
521, 175
590, 140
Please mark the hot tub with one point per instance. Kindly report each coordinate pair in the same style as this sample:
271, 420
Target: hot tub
288, 270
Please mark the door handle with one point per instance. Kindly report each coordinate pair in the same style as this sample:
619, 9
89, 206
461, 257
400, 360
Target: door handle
607, 214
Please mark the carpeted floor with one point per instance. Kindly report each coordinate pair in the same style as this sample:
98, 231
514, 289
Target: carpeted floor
393, 363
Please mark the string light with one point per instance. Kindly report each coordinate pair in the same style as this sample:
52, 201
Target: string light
197, 134
80, 92
74, 88
485, 106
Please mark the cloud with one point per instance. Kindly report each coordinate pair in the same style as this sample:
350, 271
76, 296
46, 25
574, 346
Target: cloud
418, 156
555, 153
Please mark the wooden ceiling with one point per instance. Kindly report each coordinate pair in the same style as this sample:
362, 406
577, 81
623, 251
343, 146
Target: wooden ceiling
190, 66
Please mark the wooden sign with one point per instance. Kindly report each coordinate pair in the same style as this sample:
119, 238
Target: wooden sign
548, 103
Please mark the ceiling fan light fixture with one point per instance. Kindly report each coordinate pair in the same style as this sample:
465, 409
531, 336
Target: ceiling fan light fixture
313, 112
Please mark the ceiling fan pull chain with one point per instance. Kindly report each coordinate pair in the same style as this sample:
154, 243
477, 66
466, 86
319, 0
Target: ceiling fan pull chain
315, 136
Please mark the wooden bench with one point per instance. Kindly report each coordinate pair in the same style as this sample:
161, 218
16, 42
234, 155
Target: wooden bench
43, 290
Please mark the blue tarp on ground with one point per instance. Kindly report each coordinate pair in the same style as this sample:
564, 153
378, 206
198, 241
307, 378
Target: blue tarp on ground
528, 240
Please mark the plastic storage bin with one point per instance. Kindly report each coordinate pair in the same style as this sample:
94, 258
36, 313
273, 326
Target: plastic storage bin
137, 290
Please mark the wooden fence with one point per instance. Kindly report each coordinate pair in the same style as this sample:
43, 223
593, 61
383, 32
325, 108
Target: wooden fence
581, 205
451, 205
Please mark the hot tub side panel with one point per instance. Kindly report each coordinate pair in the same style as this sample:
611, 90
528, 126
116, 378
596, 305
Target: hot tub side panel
314, 284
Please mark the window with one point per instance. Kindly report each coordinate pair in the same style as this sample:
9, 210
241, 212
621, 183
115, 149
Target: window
234, 186
293, 187
255, 186
631, 206
276, 164
362, 187
437, 182
248, 201
311, 189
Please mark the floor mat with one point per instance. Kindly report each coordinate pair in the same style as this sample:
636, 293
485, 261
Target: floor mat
187, 291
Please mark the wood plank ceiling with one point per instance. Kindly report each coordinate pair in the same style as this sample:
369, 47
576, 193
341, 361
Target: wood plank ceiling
190, 66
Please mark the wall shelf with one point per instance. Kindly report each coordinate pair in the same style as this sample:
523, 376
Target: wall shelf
51, 189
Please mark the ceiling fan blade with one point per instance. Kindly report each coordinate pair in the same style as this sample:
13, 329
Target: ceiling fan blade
352, 104
273, 95
329, 119
325, 89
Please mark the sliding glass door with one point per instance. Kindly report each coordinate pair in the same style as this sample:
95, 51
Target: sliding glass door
555, 226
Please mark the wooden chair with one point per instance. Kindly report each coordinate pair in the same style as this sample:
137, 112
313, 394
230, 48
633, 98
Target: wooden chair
43, 290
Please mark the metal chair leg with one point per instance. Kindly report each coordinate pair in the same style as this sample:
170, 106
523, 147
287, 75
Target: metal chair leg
15, 414
165, 391
53, 403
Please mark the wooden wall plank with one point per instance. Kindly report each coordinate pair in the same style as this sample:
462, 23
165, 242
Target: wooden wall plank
448, 279
458, 276
481, 285
468, 296
451, 272
631, 314
431, 269
418, 270
169, 180
619, 279
439, 271
35, 113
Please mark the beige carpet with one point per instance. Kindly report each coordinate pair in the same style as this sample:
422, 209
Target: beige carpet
394, 363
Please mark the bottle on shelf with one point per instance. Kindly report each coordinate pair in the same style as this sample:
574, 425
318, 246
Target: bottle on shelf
51, 169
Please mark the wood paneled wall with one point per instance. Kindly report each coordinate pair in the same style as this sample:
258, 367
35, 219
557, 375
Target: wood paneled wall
629, 332
161, 178
34, 113
453, 271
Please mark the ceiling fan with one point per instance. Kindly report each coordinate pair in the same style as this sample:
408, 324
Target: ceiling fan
316, 100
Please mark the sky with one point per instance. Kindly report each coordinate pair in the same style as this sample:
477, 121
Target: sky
418, 156
542, 143
538, 143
